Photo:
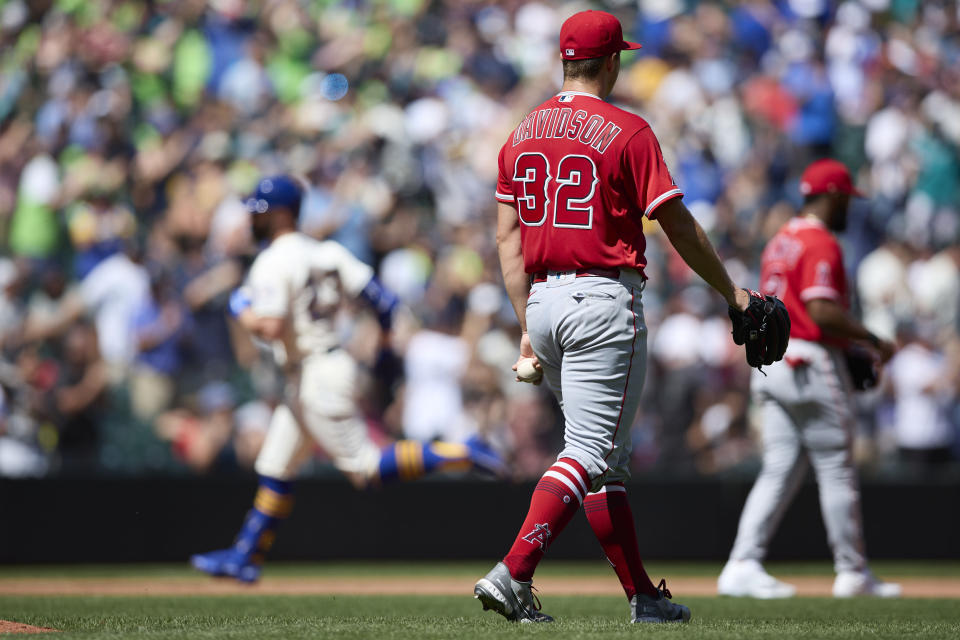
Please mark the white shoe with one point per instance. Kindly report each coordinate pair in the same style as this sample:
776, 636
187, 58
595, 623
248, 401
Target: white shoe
863, 583
747, 578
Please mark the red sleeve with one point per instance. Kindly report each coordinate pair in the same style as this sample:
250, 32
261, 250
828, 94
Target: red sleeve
821, 271
646, 174
504, 179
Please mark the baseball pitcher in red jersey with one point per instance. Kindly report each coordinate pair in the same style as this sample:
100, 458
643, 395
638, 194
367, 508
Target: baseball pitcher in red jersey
808, 419
577, 176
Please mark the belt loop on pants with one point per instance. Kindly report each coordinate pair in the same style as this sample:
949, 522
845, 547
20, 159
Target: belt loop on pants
596, 272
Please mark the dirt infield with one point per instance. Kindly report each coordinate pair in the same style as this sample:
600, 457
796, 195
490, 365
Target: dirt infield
16, 627
932, 587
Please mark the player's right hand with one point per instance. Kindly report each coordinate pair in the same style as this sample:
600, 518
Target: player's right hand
527, 365
885, 349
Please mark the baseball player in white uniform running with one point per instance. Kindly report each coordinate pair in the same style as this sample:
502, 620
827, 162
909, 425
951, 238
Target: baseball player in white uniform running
806, 398
293, 292
577, 176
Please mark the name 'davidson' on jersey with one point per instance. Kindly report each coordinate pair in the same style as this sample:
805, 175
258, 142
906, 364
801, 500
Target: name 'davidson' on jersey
565, 122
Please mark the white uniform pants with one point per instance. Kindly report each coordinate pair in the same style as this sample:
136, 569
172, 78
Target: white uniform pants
319, 407
807, 420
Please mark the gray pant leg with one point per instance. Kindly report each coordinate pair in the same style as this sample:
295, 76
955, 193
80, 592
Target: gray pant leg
816, 398
784, 466
591, 339
840, 505
602, 382
828, 437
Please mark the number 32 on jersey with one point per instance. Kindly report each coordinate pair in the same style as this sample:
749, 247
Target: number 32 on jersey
564, 195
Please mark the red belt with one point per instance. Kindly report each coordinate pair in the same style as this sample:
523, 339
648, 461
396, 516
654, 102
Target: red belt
597, 272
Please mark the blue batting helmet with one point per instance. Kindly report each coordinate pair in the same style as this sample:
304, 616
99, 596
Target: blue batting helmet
276, 191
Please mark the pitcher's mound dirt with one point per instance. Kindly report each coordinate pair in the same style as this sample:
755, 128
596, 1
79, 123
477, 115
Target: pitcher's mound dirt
7, 626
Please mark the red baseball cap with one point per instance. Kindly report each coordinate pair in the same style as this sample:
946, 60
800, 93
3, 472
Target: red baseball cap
827, 176
592, 34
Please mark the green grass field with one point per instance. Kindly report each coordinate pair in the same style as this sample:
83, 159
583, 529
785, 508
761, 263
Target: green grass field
459, 616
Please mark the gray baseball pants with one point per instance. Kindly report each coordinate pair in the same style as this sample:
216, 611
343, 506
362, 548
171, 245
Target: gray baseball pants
807, 420
589, 335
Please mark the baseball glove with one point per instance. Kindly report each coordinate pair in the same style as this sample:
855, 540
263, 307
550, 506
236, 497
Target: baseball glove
862, 367
764, 329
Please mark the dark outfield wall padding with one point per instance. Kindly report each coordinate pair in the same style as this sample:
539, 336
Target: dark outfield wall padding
67, 520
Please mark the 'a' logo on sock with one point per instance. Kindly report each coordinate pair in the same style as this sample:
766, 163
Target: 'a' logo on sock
540, 535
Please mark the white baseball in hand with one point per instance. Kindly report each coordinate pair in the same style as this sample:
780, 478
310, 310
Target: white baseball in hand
527, 372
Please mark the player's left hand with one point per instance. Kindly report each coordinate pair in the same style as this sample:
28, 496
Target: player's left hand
741, 299
763, 327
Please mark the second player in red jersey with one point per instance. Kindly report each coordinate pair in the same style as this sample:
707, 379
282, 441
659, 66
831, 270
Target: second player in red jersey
803, 262
808, 418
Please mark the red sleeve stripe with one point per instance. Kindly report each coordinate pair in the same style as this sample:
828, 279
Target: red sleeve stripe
504, 197
663, 197
814, 293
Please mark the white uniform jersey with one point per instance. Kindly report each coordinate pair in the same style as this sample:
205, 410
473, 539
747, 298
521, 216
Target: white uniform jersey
305, 280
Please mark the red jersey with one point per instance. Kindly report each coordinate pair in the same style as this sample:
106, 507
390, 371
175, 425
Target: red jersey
581, 173
804, 262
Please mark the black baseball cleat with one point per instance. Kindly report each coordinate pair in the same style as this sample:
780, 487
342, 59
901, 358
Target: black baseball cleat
644, 608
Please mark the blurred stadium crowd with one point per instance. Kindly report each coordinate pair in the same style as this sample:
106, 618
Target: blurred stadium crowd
130, 130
